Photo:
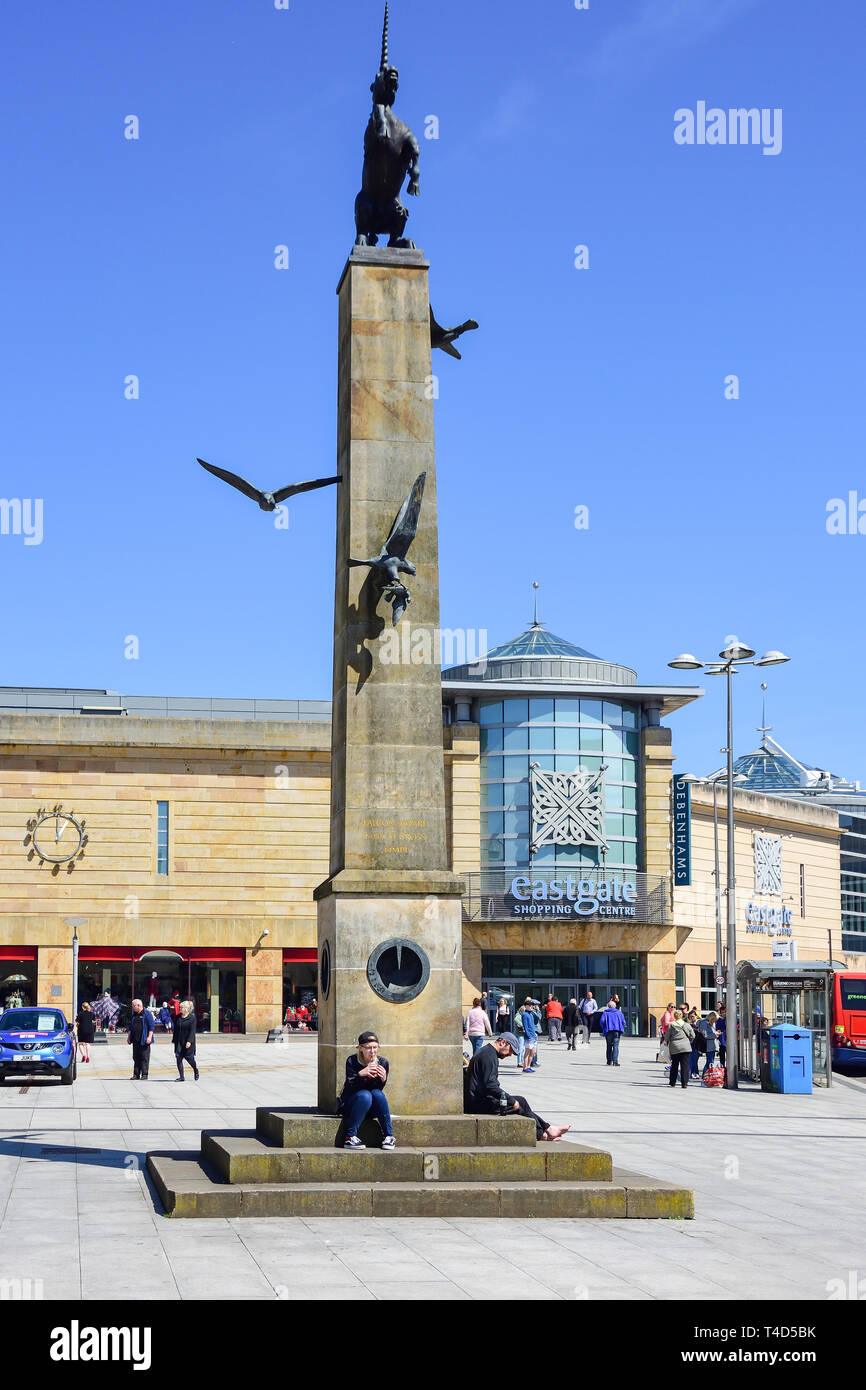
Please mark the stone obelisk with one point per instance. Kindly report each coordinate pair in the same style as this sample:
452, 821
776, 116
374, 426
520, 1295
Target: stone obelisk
390, 884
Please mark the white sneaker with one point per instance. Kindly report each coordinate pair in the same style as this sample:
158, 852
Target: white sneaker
389, 1143
353, 1142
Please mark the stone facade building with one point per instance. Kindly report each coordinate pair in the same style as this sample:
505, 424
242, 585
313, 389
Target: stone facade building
185, 838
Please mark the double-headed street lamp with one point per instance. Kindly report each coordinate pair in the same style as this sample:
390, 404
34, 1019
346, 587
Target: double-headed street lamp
733, 656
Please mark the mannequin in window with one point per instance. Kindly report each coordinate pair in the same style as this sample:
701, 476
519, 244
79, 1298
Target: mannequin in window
152, 991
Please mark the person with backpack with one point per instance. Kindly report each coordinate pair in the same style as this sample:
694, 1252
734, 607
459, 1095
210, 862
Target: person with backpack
519, 1033
571, 1023
707, 1027
679, 1039
699, 1042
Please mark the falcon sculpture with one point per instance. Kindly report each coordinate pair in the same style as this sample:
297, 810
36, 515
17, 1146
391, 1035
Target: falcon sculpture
391, 561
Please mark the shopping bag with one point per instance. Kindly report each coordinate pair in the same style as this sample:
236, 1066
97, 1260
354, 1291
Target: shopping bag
714, 1076
663, 1055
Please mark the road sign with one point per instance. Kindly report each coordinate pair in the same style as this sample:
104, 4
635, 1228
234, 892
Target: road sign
720, 980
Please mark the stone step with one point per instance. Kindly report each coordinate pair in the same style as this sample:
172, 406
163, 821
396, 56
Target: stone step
188, 1186
245, 1158
298, 1128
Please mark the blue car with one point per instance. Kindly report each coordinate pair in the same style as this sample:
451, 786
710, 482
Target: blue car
37, 1042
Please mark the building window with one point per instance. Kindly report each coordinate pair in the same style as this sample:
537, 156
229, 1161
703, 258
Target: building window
162, 837
681, 986
802, 890
709, 993
558, 735
853, 850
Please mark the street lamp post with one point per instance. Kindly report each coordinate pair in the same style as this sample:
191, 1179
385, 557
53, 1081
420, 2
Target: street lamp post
717, 874
74, 923
735, 654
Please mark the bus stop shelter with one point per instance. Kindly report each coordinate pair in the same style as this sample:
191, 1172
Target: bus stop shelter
786, 991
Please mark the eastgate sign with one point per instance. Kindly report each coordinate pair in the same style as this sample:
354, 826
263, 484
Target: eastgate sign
772, 921
571, 897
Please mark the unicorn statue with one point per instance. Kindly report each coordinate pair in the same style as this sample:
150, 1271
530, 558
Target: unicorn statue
390, 153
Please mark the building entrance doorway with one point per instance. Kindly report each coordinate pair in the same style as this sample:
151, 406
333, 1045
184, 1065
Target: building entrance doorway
628, 991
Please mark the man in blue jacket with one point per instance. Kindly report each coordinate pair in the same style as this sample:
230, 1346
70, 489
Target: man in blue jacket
140, 1035
612, 1023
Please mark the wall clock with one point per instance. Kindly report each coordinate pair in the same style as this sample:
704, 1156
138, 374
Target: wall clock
56, 836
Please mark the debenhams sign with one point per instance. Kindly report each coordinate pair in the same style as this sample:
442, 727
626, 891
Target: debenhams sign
572, 897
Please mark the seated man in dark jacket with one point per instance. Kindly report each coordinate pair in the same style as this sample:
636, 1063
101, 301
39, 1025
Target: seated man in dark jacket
484, 1096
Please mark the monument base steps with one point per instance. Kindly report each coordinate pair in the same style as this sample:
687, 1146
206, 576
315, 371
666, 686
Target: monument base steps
448, 1166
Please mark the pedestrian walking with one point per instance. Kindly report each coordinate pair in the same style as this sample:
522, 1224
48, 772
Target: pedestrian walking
184, 1039
521, 1036
698, 1043
679, 1038
588, 1006
503, 1015
363, 1093
571, 1023
553, 1013
612, 1023
482, 1094
86, 1025
707, 1027
722, 1030
140, 1036
530, 1033
477, 1026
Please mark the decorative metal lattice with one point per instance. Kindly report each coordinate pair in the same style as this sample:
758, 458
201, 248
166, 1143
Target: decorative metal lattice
567, 808
768, 864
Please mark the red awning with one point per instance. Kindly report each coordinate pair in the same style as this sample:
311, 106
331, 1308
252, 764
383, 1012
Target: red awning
293, 954
17, 952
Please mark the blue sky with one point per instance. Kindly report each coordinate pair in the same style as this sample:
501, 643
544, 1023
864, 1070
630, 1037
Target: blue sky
602, 387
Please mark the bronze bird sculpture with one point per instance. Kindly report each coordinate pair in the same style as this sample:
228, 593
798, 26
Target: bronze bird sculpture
444, 337
391, 561
268, 501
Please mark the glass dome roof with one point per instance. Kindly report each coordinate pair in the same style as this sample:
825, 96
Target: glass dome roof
537, 641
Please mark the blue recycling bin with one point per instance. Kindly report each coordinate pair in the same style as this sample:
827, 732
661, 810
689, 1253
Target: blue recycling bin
790, 1059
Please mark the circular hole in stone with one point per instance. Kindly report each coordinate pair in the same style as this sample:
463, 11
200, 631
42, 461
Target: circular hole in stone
325, 971
404, 969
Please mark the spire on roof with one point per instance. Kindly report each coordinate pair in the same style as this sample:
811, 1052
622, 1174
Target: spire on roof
764, 728
535, 622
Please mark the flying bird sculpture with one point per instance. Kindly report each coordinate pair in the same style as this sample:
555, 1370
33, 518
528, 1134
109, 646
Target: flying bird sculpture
444, 337
268, 501
391, 561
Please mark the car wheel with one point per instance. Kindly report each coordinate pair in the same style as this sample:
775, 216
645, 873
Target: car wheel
67, 1075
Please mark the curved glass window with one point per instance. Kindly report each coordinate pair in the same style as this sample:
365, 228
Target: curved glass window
561, 734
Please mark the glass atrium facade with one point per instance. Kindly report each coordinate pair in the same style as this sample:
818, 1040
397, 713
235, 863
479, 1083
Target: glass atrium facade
559, 734
853, 882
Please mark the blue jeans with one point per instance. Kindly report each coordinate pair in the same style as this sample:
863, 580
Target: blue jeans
477, 1041
359, 1106
612, 1044
693, 1062
711, 1060
521, 1043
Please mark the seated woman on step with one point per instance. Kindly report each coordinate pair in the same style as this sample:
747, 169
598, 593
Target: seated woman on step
364, 1092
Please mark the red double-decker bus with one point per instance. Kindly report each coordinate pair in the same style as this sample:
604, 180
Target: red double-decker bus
849, 1019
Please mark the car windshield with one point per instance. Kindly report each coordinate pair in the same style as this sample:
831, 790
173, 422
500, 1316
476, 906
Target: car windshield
32, 1021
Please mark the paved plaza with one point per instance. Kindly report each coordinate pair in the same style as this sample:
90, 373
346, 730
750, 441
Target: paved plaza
778, 1181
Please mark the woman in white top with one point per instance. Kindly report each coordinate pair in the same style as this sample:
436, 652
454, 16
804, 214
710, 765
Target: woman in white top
477, 1026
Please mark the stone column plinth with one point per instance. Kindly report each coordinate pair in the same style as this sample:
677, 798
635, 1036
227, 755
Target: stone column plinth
390, 879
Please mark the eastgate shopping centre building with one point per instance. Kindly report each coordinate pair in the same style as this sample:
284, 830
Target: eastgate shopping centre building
185, 837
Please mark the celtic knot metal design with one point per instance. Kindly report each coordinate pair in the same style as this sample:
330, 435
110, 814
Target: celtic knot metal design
768, 864
568, 808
